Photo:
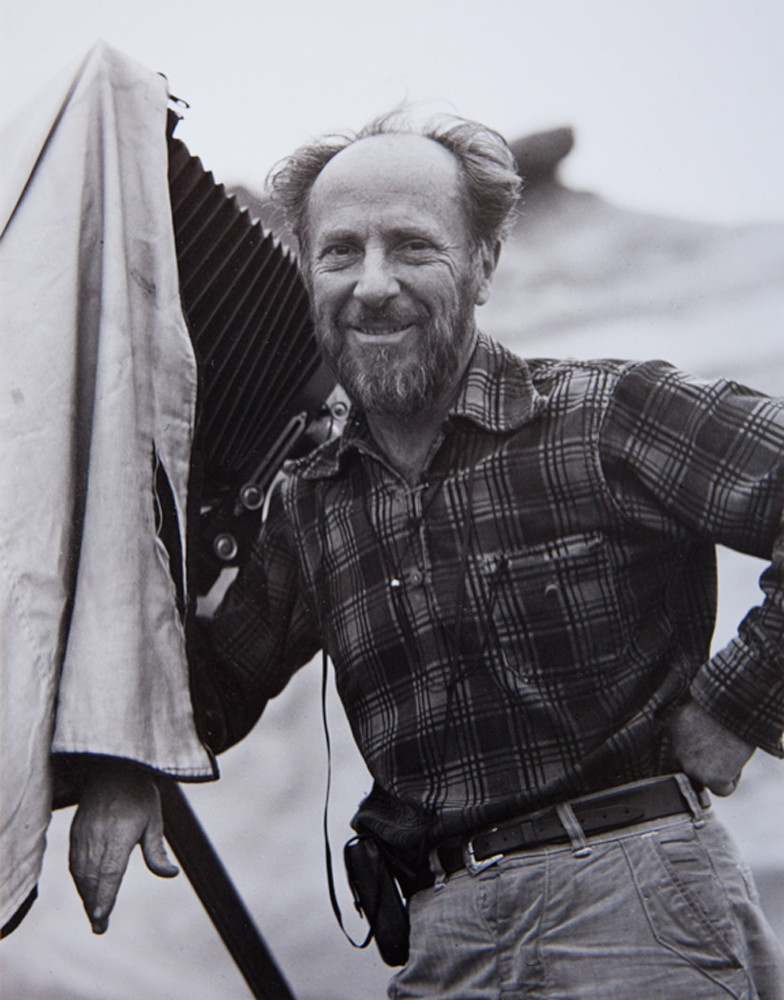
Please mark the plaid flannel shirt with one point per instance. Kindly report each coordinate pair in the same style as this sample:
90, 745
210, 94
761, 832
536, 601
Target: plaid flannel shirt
512, 630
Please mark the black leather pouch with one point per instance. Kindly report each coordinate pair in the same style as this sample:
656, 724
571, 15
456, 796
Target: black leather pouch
377, 897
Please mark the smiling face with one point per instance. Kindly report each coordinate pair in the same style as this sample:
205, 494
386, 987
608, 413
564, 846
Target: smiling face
393, 272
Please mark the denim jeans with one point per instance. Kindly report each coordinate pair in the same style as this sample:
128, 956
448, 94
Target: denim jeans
663, 910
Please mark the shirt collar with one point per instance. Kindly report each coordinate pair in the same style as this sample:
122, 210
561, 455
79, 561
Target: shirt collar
497, 393
497, 390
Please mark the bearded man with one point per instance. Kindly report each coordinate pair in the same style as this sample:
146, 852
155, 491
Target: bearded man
511, 567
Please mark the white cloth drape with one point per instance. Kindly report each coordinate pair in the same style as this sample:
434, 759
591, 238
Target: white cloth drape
97, 377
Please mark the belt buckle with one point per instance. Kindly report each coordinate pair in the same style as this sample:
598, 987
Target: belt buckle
473, 866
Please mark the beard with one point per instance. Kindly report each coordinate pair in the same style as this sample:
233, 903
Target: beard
392, 379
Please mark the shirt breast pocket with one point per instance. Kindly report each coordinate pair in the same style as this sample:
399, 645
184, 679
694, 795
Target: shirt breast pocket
556, 614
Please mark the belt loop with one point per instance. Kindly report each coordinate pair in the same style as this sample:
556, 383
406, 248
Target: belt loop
437, 869
572, 826
688, 792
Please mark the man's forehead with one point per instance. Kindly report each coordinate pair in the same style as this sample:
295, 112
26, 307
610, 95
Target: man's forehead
399, 156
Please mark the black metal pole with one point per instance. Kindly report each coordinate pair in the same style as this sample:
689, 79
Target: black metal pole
212, 885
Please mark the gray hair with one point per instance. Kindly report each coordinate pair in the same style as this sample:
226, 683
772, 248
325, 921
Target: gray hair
490, 182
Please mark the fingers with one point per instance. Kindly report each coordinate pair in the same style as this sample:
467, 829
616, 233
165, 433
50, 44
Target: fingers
157, 860
97, 867
724, 788
153, 850
105, 896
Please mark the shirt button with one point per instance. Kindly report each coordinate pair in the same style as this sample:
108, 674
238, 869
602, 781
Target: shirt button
415, 578
551, 590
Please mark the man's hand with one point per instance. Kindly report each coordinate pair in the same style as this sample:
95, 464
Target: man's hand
706, 750
119, 808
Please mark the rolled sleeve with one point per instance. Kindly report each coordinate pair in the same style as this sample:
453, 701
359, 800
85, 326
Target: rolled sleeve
705, 459
742, 686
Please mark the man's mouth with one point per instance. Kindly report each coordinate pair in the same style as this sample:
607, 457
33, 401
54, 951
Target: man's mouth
381, 333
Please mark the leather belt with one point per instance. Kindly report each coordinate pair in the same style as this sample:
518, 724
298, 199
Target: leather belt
600, 812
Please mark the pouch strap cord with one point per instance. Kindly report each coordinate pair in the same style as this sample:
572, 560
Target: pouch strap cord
333, 896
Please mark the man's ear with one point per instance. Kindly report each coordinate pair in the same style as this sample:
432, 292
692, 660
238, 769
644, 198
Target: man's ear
487, 259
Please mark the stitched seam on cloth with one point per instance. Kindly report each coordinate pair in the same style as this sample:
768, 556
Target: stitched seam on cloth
671, 947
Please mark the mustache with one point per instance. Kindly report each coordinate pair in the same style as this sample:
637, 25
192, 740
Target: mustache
359, 316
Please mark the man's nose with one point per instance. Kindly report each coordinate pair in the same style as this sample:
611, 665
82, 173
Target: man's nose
376, 283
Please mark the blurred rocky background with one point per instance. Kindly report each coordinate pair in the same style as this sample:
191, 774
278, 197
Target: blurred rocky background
579, 277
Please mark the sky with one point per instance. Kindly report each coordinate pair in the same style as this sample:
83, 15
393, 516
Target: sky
677, 104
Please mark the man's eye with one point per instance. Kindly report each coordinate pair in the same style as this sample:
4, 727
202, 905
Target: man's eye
338, 250
417, 250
